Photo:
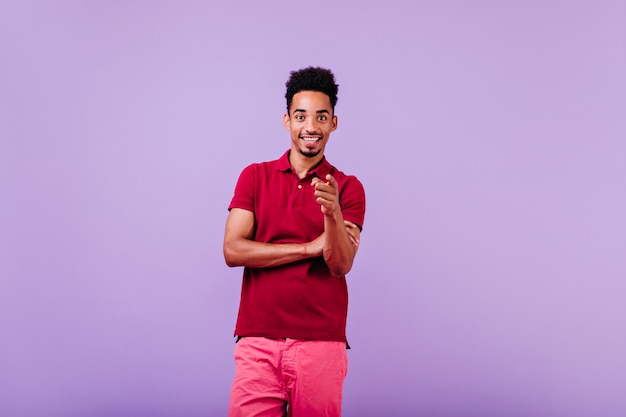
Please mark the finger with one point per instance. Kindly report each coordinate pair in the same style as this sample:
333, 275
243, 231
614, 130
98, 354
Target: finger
324, 202
331, 181
353, 240
325, 194
353, 232
321, 185
323, 188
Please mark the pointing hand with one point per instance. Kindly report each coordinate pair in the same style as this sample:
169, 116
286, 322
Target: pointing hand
326, 194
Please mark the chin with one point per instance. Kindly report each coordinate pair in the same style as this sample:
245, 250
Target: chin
310, 154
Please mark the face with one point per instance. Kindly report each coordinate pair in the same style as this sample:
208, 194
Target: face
310, 122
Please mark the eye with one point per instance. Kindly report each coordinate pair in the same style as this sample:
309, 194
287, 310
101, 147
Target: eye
321, 118
299, 117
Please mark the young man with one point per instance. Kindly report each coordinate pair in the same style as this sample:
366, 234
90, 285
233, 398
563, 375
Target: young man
294, 224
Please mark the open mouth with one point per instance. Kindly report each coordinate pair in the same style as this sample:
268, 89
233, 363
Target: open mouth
310, 139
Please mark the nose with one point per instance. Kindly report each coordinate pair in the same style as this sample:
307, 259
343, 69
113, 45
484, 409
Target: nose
310, 125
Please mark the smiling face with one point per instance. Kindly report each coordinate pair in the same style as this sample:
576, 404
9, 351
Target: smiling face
310, 122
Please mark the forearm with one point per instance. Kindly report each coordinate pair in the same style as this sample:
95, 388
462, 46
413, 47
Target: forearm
246, 252
338, 250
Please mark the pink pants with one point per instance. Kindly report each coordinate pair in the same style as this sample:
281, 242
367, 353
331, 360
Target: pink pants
273, 373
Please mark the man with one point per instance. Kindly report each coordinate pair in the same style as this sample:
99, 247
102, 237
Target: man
294, 224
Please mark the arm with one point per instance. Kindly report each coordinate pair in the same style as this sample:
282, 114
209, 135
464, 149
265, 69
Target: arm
241, 250
341, 238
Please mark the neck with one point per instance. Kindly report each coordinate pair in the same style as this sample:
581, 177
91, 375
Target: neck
302, 164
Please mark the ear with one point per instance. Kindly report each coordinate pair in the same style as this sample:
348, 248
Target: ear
334, 123
287, 121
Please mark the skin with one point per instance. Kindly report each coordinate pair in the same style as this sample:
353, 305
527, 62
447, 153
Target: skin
310, 121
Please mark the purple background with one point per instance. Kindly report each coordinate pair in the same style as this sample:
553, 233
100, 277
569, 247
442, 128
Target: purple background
490, 137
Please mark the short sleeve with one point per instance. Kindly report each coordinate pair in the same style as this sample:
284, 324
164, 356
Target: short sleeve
352, 201
244, 190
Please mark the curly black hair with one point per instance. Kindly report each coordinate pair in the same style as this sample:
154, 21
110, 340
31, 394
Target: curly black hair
312, 79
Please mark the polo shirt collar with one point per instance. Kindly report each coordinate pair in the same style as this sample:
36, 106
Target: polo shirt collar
324, 168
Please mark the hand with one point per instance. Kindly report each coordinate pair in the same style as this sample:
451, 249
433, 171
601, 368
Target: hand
316, 246
326, 194
354, 233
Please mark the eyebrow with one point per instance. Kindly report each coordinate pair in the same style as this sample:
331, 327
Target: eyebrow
318, 111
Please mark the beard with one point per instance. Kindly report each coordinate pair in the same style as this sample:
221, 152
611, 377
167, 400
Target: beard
311, 154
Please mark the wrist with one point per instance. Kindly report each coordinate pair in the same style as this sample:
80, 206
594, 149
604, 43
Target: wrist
310, 250
335, 216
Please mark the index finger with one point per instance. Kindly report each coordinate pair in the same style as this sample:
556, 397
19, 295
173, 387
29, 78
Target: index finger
331, 180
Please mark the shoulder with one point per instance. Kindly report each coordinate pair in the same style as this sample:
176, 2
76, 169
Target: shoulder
260, 168
347, 181
351, 197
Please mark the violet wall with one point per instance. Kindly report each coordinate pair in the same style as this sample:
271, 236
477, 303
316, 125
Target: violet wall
490, 137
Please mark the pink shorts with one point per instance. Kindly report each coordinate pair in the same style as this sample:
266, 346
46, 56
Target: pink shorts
296, 378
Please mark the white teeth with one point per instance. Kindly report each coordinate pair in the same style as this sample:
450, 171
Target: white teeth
307, 139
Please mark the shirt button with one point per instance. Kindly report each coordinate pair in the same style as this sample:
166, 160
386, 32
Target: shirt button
299, 186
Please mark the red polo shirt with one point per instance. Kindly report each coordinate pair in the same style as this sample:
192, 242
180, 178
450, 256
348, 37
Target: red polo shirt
300, 300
